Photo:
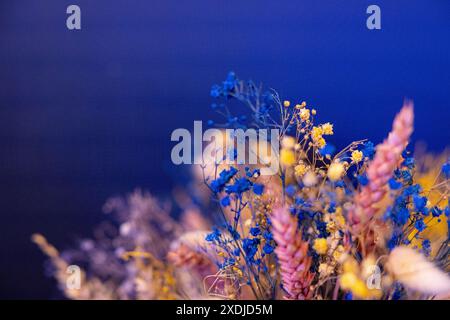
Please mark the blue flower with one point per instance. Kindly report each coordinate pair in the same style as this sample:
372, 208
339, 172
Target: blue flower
332, 207
258, 188
402, 216
299, 201
225, 176
394, 184
240, 185
250, 247
368, 150
233, 232
340, 184
446, 169
436, 212
225, 202
268, 235
408, 162
363, 180
406, 175
290, 190
348, 296
419, 202
412, 190
420, 225
426, 246
268, 249
213, 236
215, 91
255, 231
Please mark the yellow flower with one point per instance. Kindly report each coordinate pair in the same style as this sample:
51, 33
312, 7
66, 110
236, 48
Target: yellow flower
304, 114
300, 170
331, 226
359, 289
349, 281
320, 245
337, 254
327, 128
339, 218
287, 157
335, 171
286, 103
350, 266
316, 133
321, 143
357, 156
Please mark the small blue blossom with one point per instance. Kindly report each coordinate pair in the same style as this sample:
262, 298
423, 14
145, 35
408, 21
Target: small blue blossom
258, 188
250, 247
368, 149
403, 216
419, 202
394, 184
363, 180
213, 236
290, 190
420, 225
268, 235
267, 249
446, 169
408, 162
436, 212
225, 202
426, 246
255, 231
240, 185
225, 176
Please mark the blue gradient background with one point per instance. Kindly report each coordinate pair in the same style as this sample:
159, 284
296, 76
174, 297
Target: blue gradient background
86, 115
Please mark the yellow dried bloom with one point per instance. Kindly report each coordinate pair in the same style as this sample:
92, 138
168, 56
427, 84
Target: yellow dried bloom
321, 143
327, 128
287, 157
357, 156
335, 171
304, 114
351, 266
286, 103
320, 245
337, 254
300, 169
316, 133
349, 281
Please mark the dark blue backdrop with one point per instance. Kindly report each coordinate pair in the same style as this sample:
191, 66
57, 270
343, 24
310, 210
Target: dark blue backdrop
88, 114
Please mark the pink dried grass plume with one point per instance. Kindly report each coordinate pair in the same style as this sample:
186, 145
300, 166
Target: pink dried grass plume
292, 253
387, 158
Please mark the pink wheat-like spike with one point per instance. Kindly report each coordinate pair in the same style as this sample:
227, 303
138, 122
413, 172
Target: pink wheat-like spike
292, 253
380, 170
